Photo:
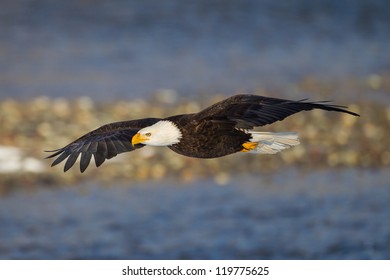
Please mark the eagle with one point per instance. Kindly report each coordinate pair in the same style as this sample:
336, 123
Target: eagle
223, 128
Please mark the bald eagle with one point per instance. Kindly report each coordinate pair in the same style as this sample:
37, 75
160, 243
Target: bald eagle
219, 130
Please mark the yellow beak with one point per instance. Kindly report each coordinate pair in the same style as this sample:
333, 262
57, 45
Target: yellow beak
138, 139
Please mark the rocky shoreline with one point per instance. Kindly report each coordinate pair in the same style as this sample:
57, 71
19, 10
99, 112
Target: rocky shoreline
29, 127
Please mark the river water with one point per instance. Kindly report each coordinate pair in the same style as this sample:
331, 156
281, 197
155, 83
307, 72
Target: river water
128, 49
291, 214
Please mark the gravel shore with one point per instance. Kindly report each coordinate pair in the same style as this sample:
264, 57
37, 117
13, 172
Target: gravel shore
30, 127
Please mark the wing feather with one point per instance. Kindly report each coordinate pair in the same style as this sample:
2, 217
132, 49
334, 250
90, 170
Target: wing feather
99, 158
102, 148
62, 155
71, 160
85, 159
119, 145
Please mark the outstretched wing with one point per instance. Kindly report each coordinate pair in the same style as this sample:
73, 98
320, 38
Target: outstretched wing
249, 111
103, 143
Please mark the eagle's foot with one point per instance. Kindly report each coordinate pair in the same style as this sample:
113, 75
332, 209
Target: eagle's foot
248, 146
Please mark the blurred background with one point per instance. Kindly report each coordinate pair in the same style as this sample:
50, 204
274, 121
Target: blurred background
67, 67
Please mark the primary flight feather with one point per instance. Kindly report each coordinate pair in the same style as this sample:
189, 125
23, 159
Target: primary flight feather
219, 130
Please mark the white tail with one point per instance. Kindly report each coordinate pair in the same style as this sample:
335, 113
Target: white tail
273, 142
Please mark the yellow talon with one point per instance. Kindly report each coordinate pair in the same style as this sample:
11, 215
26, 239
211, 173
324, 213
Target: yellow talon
248, 146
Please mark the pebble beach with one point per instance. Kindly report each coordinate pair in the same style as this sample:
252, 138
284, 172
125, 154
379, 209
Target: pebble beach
327, 140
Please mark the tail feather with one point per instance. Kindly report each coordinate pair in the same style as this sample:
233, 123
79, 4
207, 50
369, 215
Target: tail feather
273, 142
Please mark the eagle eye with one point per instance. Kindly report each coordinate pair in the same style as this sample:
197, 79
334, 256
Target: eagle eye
148, 134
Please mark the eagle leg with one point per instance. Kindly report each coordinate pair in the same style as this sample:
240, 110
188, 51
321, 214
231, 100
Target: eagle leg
248, 146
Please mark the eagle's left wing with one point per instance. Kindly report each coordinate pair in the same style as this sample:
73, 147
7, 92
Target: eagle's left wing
249, 111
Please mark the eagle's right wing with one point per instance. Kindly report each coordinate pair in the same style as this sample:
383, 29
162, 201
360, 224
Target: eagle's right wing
103, 143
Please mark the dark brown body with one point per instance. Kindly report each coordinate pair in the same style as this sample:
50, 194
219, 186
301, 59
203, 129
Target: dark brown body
199, 136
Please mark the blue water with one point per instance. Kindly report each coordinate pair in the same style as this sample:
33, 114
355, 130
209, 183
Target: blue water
127, 49
328, 214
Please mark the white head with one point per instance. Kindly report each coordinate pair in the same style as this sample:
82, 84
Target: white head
162, 133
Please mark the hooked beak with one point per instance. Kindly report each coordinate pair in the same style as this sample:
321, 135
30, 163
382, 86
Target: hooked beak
138, 139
